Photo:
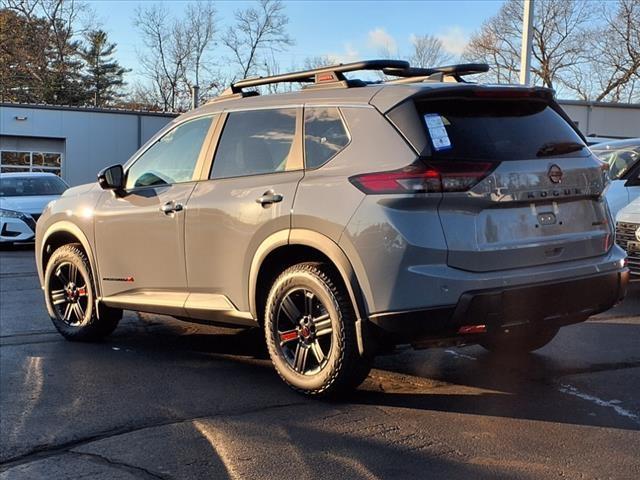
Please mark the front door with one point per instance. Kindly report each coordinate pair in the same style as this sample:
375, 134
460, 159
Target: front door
140, 232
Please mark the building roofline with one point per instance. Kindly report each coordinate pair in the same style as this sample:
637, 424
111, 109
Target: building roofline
589, 103
122, 111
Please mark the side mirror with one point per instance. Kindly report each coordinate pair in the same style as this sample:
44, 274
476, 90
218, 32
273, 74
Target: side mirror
111, 178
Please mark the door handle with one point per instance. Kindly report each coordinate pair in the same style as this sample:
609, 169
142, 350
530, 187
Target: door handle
171, 207
268, 198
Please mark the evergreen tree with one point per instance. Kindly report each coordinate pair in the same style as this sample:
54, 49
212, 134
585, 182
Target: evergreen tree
103, 76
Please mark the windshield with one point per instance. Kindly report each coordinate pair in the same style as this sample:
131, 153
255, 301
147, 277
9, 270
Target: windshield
497, 130
11, 186
620, 160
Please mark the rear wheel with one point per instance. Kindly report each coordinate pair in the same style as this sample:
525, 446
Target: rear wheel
310, 332
521, 340
70, 297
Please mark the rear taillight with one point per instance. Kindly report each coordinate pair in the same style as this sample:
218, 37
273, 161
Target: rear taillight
432, 177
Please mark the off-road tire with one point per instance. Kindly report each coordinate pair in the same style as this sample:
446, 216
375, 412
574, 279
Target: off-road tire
94, 327
345, 368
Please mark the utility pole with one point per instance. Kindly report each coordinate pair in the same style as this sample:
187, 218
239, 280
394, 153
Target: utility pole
527, 35
195, 96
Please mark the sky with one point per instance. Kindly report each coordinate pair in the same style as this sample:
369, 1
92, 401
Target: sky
345, 30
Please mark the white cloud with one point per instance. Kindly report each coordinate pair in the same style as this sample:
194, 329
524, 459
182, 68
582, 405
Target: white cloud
382, 41
350, 54
454, 40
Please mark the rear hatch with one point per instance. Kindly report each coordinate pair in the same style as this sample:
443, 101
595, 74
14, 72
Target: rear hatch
537, 197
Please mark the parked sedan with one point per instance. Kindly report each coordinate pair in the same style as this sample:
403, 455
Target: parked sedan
23, 197
622, 156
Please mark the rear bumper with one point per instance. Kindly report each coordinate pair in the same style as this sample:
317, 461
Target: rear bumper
553, 303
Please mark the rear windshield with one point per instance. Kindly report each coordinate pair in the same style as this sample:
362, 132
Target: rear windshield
479, 129
23, 186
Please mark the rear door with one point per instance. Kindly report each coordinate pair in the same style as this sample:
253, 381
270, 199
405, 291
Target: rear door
540, 201
257, 165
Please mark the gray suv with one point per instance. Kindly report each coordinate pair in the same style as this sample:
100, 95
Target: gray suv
345, 218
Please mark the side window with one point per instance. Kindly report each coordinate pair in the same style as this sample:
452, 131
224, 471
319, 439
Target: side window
173, 158
255, 142
324, 135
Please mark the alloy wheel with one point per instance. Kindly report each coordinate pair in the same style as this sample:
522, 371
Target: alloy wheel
69, 294
304, 331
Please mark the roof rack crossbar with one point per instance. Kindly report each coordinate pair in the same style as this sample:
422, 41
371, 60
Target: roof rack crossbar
458, 70
332, 73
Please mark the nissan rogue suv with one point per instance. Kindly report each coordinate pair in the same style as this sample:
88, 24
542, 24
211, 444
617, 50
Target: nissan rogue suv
344, 218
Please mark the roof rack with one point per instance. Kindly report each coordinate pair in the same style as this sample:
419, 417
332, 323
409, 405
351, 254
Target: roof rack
333, 76
319, 76
415, 74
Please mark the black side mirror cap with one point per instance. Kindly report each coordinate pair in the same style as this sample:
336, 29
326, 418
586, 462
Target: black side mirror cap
112, 178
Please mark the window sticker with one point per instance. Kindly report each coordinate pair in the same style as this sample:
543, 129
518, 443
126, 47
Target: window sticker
437, 132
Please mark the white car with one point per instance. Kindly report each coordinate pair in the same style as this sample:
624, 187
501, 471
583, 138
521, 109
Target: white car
23, 197
628, 235
622, 156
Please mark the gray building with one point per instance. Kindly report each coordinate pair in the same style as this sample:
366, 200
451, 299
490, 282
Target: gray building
77, 142
603, 119
70, 141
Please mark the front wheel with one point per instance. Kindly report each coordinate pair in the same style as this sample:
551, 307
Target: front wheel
522, 340
310, 332
70, 297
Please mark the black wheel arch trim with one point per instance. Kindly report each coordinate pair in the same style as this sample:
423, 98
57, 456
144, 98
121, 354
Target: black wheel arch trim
332, 251
75, 231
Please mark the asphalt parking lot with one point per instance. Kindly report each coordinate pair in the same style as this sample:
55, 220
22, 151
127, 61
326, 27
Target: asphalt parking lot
161, 399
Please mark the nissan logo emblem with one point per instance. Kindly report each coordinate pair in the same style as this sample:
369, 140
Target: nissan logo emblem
555, 174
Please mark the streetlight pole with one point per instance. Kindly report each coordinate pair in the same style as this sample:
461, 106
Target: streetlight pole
195, 96
527, 35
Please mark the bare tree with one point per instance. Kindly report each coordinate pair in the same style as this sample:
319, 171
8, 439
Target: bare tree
559, 30
591, 50
428, 51
201, 29
318, 61
257, 32
176, 51
616, 65
164, 59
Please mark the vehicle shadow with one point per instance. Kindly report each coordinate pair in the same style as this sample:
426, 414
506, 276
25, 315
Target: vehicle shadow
16, 247
523, 387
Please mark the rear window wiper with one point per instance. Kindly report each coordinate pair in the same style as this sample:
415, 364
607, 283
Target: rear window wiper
559, 148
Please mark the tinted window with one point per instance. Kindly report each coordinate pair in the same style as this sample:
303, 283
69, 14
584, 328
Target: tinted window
173, 158
11, 186
255, 142
324, 135
497, 130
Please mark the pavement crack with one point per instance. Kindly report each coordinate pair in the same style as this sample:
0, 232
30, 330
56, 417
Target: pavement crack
31, 333
45, 451
133, 469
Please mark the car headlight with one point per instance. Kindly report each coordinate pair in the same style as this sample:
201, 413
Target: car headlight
13, 214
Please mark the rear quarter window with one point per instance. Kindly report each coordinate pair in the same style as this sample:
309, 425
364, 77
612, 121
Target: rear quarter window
496, 129
324, 135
